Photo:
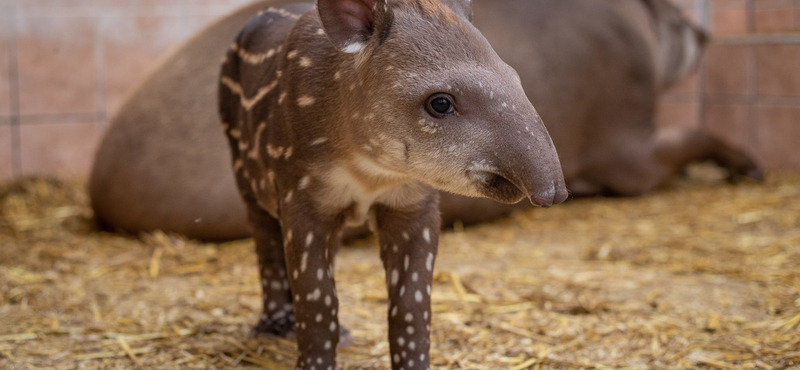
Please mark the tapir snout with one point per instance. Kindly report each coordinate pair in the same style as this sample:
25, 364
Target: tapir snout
525, 165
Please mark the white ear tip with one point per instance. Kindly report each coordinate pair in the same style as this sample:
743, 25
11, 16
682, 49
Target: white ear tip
354, 47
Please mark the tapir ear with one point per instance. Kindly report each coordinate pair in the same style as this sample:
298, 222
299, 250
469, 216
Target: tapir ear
350, 24
460, 7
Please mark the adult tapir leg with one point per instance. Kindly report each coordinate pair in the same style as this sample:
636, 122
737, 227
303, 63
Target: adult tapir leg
637, 168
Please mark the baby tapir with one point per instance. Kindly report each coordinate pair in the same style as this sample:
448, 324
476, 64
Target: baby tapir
360, 110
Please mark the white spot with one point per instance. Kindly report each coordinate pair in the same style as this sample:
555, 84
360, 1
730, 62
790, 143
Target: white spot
411, 363
318, 141
395, 277
304, 262
429, 262
401, 341
394, 311
282, 97
314, 296
292, 54
425, 315
429, 290
415, 277
396, 358
328, 344
426, 234
333, 326
309, 239
305, 101
354, 47
318, 318
295, 274
406, 236
328, 300
409, 317
304, 182
410, 330
402, 290
406, 261
289, 196
418, 296
412, 346
305, 62
320, 274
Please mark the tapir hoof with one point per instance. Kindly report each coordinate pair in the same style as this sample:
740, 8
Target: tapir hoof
273, 329
285, 330
745, 168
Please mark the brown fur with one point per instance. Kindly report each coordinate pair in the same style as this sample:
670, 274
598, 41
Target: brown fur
338, 124
164, 163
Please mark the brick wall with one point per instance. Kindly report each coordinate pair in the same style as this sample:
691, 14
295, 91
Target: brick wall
66, 65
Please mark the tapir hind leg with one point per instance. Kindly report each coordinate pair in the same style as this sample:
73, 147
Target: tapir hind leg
277, 319
668, 152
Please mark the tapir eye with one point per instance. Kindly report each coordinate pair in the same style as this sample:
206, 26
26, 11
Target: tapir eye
440, 105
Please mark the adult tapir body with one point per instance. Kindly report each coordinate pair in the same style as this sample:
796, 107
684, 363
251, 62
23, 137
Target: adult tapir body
593, 68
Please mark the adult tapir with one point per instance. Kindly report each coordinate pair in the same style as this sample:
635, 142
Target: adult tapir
594, 70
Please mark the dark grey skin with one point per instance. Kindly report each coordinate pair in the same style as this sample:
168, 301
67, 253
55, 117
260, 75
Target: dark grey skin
359, 110
165, 165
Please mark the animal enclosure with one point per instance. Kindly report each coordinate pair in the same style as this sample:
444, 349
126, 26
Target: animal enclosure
702, 274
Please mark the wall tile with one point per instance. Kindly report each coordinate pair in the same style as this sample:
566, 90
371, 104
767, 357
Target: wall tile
729, 17
677, 115
6, 157
132, 46
5, 79
727, 70
779, 70
687, 86
774, 15
778, 136
731, 123
56, 62
64, 149
214, 7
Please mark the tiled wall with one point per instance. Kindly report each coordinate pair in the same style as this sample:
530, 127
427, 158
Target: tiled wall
66, 65
748, 88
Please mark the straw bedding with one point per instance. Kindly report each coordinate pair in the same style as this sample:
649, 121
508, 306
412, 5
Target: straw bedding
702, 275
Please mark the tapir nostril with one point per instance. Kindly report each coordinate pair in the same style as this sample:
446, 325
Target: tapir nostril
544, 199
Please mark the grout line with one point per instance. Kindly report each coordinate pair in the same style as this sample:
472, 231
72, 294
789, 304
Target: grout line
751, 16
758, 39
100, 74
13, 84
753, 98
49, 118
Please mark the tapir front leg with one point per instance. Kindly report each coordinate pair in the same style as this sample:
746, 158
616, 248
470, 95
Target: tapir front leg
277, 319
310, 243
409, 241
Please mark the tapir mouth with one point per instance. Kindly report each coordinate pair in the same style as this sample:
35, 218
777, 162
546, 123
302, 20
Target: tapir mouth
498, 187
505, 190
